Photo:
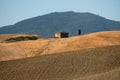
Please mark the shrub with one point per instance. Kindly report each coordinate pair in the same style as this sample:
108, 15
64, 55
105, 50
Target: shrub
22, 38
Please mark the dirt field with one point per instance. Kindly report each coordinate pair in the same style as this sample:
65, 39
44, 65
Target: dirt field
89, 64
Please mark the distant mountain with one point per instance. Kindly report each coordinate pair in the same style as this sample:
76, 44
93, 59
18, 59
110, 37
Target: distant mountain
47, 25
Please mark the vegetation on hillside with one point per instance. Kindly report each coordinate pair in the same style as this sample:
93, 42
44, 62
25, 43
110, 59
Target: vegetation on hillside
21, 38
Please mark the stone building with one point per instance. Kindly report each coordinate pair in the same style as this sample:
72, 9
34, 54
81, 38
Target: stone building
61, 35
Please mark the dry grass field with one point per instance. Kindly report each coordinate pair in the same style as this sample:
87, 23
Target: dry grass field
30, 48
102, 63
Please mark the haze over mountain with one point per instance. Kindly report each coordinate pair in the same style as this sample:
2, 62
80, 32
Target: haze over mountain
49, 24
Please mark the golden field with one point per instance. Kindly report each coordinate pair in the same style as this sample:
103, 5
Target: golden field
93, 56
42, 46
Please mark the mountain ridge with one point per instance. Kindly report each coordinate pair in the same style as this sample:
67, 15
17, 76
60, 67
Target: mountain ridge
47, 25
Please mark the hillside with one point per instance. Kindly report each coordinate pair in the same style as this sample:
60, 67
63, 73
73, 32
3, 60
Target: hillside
90, 64
47, 25
43, 46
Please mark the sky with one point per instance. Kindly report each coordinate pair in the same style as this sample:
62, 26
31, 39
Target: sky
13, 11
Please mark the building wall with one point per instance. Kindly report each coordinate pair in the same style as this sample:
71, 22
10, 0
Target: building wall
57, 35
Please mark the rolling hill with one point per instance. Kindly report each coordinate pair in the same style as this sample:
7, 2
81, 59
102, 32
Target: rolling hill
42, 46
91, 64
47, 25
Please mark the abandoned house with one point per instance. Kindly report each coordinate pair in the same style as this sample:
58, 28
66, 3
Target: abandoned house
61, 35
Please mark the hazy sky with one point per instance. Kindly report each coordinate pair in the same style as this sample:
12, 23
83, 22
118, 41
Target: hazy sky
12, 11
